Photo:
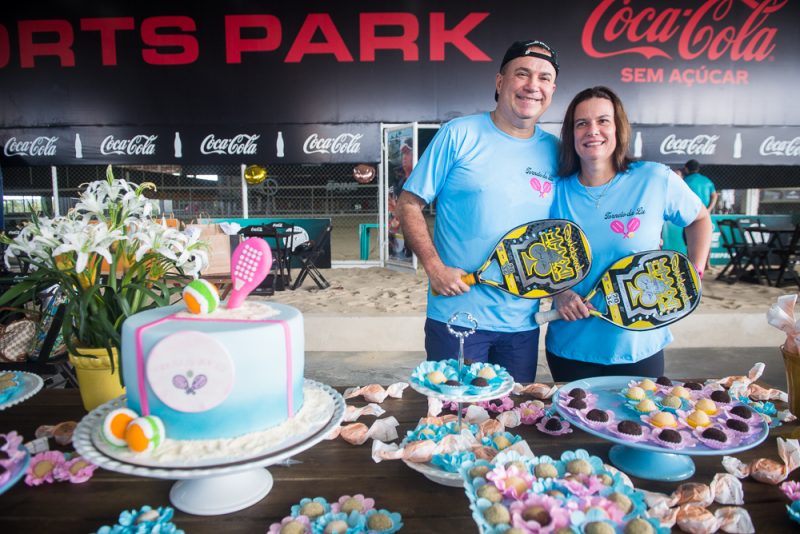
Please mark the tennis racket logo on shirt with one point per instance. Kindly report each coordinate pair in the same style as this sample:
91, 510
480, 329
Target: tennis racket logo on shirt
627, 231
542, 188
643, 291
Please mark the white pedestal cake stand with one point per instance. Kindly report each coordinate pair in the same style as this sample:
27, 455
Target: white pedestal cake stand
211, 488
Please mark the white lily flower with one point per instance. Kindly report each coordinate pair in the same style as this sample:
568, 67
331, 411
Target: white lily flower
94, 239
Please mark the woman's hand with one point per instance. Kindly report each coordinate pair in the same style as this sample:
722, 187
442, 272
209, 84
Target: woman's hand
571, 306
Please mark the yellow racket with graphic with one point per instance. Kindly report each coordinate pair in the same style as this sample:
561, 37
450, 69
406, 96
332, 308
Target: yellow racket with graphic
643, 291
537, 259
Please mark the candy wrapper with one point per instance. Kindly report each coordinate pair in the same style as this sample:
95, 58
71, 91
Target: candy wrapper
537, 391
352, 413
423, 450
62, 432
781, 316
724, 489
697, 519
376, 392
744, 386
357, 433
764, 469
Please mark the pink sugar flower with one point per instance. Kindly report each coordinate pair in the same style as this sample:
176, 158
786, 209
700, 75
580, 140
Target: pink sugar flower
366, 503
791, 489
43, 467
275, 528
512, 482
530, 412
76, 470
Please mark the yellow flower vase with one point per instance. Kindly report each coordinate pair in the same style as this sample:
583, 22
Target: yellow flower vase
96, 381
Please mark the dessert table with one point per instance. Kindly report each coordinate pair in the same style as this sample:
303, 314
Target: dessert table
330, 469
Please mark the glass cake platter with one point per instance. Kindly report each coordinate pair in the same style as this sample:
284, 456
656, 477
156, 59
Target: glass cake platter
211, 485
645, 460
30, 384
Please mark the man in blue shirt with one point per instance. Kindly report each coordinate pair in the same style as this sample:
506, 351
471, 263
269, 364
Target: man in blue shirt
488, 173
702, 186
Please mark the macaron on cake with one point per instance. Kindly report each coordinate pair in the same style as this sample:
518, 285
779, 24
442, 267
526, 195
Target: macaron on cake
115, 424
201, 296
144, 434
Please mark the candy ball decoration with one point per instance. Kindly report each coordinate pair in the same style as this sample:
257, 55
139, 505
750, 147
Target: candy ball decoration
201, 296
145, 433
115, 424
363, 173
255, 174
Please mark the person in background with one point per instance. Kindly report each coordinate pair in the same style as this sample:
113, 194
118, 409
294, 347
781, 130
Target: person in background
621, 205
488, 173
703, 187
397, 246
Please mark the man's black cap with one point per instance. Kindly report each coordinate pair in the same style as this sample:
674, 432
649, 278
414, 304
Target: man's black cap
527, 48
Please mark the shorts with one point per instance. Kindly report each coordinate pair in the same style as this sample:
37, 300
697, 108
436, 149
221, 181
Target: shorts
517, 352
567, 370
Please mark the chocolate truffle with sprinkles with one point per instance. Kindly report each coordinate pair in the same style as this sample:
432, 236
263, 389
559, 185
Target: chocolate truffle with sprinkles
663, 381
480, 382
694, 386
578, 404
715, 433
553, 424
737, 425
631, 428
742, 411
596, 415
577, 393
670, 436
720, 396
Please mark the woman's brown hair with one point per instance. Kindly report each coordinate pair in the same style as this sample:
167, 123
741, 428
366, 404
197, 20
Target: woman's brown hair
568, 161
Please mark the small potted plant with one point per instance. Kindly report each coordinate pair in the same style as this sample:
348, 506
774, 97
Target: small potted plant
110, 259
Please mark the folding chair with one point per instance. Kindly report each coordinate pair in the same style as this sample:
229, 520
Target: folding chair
744, 252
308, 253
790, 257
49, 356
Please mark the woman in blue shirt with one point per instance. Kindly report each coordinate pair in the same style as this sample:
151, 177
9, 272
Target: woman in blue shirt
622, 206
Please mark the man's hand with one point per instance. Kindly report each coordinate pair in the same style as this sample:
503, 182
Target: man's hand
447, 281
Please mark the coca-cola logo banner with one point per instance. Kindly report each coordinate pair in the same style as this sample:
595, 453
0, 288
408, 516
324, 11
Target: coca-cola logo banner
151, 69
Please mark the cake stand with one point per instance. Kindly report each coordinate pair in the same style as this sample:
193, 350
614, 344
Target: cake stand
430, 471
212, 488
644, 460
30, 384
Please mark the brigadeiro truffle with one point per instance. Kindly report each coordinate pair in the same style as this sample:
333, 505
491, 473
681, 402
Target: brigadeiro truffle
663, 381
720, 396
452, 383
480, 382
670, 436
694, 386
715, 433
578, 404
630, 427
739, 426
577, 393
553, 424
600, 416
742, 411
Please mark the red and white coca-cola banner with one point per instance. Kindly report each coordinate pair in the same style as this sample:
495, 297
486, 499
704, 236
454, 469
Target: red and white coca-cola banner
149, 69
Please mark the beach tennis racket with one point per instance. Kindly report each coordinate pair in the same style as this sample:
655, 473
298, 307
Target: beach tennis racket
537, 259
643, 291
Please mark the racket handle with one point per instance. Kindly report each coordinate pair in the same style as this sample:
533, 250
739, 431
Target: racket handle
469, 279
547, 316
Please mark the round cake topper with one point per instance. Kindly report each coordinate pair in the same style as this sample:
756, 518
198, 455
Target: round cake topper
190, 371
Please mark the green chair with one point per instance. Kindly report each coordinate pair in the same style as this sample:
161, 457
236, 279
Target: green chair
363, 238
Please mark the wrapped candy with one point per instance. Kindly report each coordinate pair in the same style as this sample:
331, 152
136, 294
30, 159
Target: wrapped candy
697, 519
376, 392
491, 426
435, 406
764, 469
781, 316
357, 433
724, 489
352, 413
476, 414
537, 391
62, 432
422, 451
511, 418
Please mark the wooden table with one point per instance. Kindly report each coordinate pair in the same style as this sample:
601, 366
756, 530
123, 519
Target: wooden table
330, 469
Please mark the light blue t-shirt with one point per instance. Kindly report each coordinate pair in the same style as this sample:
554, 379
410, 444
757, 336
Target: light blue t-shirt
628, 219
702, 186
485, 182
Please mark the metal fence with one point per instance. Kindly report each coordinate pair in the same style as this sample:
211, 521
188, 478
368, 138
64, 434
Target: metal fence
191, 192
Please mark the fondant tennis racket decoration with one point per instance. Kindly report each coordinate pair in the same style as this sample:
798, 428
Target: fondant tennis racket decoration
537, 259
250, 264
643, 291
